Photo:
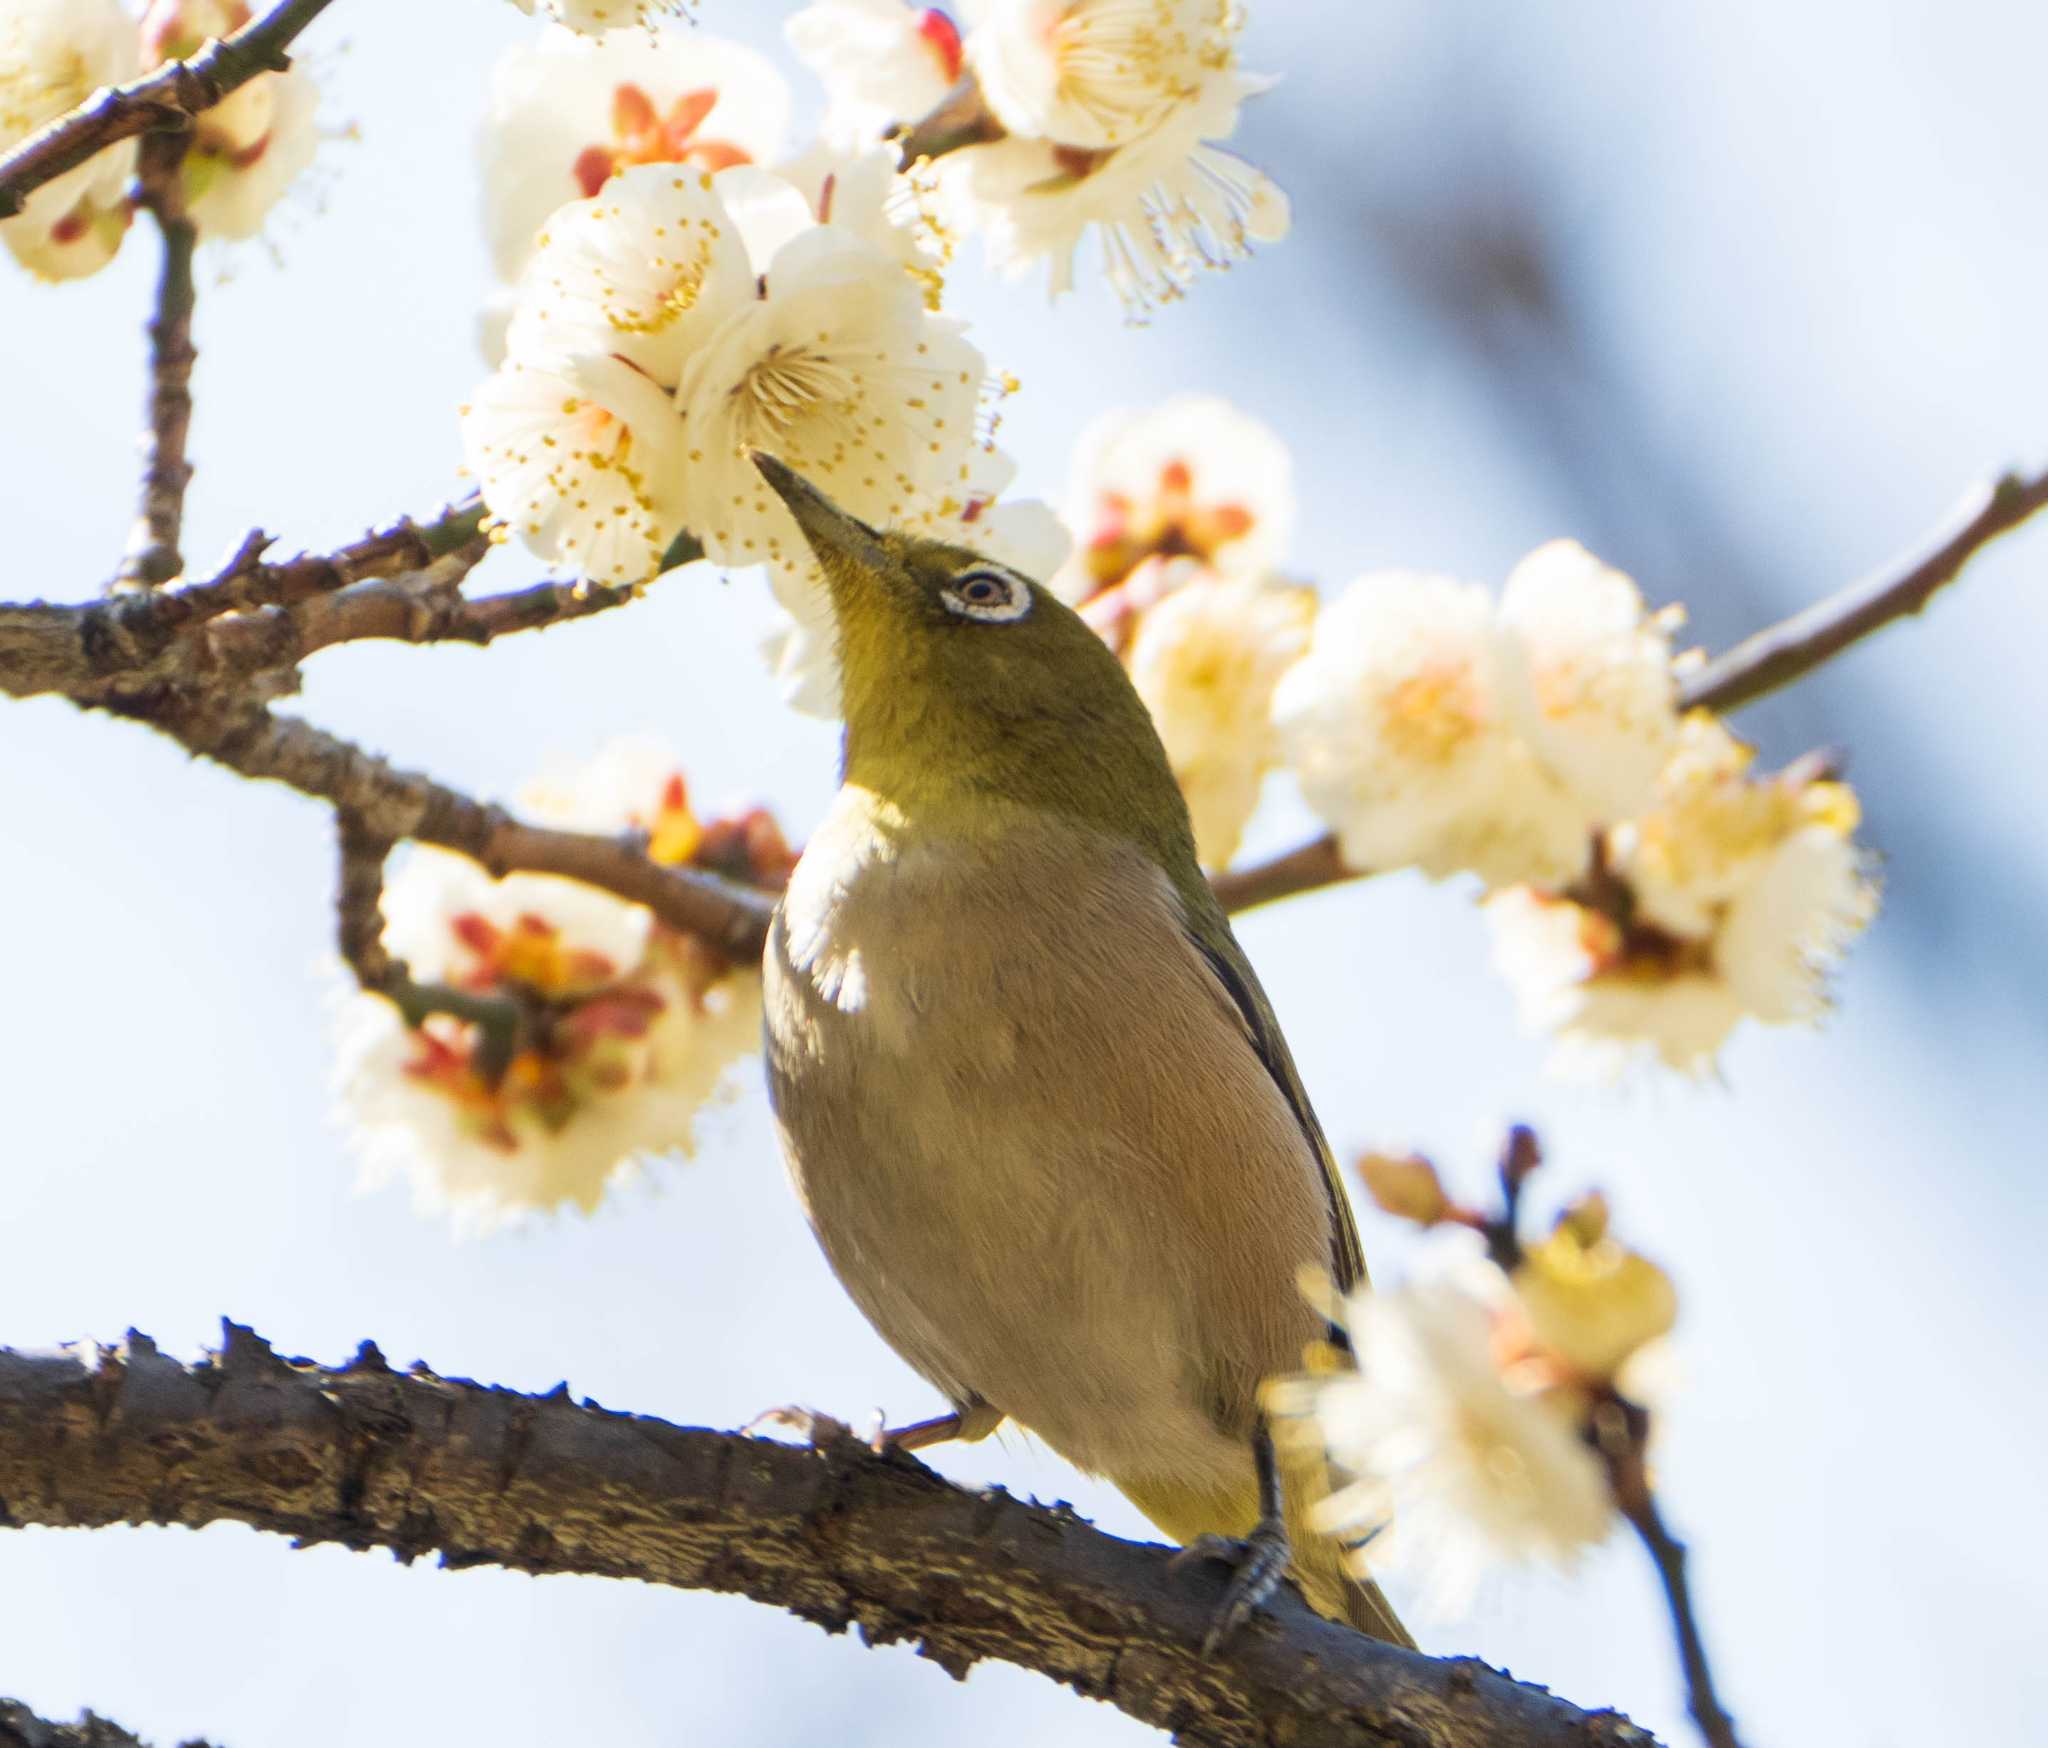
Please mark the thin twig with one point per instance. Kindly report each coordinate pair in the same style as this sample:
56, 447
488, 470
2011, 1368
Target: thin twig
1773, 658
1315, 864
961, 118
1622, 1438
836, 1534
164, 100
153, 554
1786, 651
359, 931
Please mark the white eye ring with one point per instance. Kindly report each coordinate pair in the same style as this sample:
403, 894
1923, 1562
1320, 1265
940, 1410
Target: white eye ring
994, 597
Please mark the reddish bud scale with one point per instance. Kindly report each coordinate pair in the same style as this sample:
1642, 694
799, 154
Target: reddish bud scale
943, 36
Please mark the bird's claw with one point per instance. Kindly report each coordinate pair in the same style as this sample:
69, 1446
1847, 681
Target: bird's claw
814, 1427
1258, 1562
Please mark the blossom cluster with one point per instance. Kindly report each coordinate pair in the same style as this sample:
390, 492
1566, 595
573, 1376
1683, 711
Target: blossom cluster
679, 291
633, 1025
1645, 889
1489, 1396
243, 154
1180, 514
1094, 115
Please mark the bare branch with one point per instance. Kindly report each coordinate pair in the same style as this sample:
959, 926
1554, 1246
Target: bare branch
153, 554
838, 1535
51, 647
164, 100
1314, 864
1783, 653
392, 804
21, 1728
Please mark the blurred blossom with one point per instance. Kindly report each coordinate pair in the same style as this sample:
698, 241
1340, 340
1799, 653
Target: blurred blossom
53, 55
1453, 1463
597, 17
567, 113
252, 145
1430, 728
635, 1025
881, 62
1110, 107
1205, 660
1405, 1185
1731, 895
1190, 477
1592, 1302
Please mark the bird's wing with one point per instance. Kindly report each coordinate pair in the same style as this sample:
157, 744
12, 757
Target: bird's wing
1210, 934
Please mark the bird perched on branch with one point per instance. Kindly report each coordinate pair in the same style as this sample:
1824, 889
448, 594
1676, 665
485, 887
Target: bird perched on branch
1037, 1106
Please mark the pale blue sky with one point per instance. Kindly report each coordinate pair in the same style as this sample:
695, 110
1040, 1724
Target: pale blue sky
1801, 251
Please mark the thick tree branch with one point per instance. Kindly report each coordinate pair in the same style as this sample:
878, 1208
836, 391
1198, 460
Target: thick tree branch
153, 554
21, 1728
164, 100
1773, 658
840, 1536
1783, 653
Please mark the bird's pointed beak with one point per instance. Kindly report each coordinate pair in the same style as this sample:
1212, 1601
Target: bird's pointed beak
832, 533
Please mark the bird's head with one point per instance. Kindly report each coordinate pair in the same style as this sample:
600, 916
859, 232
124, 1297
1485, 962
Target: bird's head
967, 686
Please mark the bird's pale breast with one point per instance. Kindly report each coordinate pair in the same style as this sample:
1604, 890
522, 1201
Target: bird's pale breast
1034, 1140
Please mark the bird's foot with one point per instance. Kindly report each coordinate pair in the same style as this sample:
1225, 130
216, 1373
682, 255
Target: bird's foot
1258, 1562
811, 1425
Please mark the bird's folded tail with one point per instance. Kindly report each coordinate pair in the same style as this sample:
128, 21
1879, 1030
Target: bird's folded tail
1185, 1512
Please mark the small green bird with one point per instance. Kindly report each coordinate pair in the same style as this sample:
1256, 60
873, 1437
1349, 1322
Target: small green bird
1037, 1107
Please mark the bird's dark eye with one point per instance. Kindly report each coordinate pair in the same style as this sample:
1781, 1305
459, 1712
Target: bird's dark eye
994, 597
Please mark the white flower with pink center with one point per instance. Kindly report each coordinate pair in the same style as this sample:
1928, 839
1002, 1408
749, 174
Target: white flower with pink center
54, 54
1112, 109
1192, 477
881, 62
631, 1029
568, 113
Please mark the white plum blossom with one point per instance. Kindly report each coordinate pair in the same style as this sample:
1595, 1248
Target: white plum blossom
240, 166
881, 62
1591, 675
1192, 476
568, 112
1395, 725
1205, 660
1453, 1465
839, 370
1741, 894
1022, 533
1111, 108
645, 1023
600, 17
249, 148
1429, 727
652, 348
863, 192
53, 55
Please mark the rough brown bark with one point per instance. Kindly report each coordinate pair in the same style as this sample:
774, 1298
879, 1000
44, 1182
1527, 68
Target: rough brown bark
21, 1728
418, 1464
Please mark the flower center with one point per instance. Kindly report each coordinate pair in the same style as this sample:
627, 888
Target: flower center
643, 134
788, 384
